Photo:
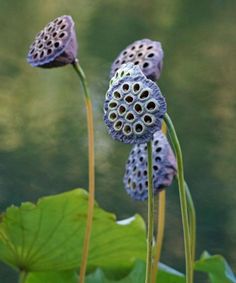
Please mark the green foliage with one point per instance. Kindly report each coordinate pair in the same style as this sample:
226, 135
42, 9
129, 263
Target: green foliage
52, 277
46, 240
49, 236
217, 268
137, 275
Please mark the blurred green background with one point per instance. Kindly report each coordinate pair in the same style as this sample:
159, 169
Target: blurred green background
43, 138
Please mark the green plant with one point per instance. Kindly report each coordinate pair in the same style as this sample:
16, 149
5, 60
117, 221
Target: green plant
45, 241
56, 46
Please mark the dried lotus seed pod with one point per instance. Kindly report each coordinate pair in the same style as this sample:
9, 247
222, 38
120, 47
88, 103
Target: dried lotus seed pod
146, 54
55, 45
137, 105
125, 70
164, 168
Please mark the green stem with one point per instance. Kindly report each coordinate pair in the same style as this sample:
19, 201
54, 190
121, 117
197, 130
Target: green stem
78, 69
88, 230
22, 276
183, 200
150, 216
192, 221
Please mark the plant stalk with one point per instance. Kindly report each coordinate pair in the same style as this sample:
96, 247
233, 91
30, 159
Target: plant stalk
160, 223
183, 199
22, 276
150, 216
160, 232
192, 221
90, 126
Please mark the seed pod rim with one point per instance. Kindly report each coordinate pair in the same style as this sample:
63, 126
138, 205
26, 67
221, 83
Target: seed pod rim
70, 40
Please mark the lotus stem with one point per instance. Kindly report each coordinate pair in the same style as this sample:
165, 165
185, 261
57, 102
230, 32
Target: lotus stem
192, 221
183, 199
150, 216
160, 232
88, 230
160, 223
22, 276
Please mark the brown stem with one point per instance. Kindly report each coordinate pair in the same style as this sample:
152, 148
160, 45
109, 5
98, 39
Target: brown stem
160, 233
90, 126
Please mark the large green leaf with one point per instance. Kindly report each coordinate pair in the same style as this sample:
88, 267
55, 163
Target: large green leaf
137, 275
216, 266
49, 236
167, 274
53, 277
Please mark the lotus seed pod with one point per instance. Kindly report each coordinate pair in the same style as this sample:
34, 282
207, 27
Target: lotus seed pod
134, 108
55, 45
125, 70
145, 53
164, 168
128, 69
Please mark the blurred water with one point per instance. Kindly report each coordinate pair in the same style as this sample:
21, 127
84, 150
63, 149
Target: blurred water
43, 134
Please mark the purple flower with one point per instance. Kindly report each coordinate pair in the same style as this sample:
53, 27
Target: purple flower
134, 107
164, 168
145, 53
55, 45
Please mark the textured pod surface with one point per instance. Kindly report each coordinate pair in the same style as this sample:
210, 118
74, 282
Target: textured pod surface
164, 168
145, 53
55, 45
133, 109
128, 69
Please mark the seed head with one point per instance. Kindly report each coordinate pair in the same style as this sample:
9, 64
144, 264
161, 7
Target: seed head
164, 168
128, 69
55, 45
134, 107
145, 53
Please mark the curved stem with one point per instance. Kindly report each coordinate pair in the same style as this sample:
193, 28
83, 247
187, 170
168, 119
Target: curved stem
88, 230
150, 216
160, 233
22, 276
183, 200
192, 221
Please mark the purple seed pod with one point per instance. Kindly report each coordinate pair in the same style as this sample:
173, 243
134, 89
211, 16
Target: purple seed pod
134, 108
128, 69
164, 168
145, 53
125, 70
55, 45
